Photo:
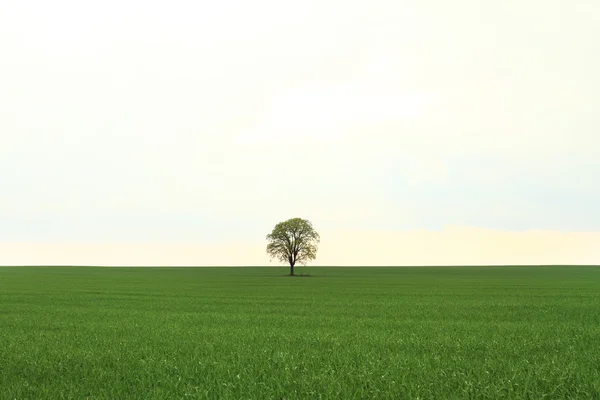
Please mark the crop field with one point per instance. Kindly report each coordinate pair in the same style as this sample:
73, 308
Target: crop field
342, 333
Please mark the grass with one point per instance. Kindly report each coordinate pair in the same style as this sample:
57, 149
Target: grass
251, 333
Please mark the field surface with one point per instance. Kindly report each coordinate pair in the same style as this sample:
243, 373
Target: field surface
343, 333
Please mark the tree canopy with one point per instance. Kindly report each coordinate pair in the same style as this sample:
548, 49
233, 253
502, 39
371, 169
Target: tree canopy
294, 241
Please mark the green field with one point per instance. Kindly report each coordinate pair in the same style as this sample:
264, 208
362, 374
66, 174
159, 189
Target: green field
252, 333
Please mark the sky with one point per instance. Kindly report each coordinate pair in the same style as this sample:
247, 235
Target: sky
409, 133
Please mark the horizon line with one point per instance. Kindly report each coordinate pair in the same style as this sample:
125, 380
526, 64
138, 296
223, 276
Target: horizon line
287, 266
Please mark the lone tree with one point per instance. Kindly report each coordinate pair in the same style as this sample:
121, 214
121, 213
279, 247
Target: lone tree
293, 241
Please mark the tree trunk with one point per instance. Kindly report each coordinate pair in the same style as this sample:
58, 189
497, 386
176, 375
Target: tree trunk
291, 269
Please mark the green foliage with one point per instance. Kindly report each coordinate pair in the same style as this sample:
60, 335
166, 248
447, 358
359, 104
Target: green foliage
346, 333
293, 241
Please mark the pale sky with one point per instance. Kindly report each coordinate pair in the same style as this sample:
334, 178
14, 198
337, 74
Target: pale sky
409, 132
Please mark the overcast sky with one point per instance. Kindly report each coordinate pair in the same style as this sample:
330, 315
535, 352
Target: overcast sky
206, 123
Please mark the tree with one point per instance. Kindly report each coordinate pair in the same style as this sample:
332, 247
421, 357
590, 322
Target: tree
293, 241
